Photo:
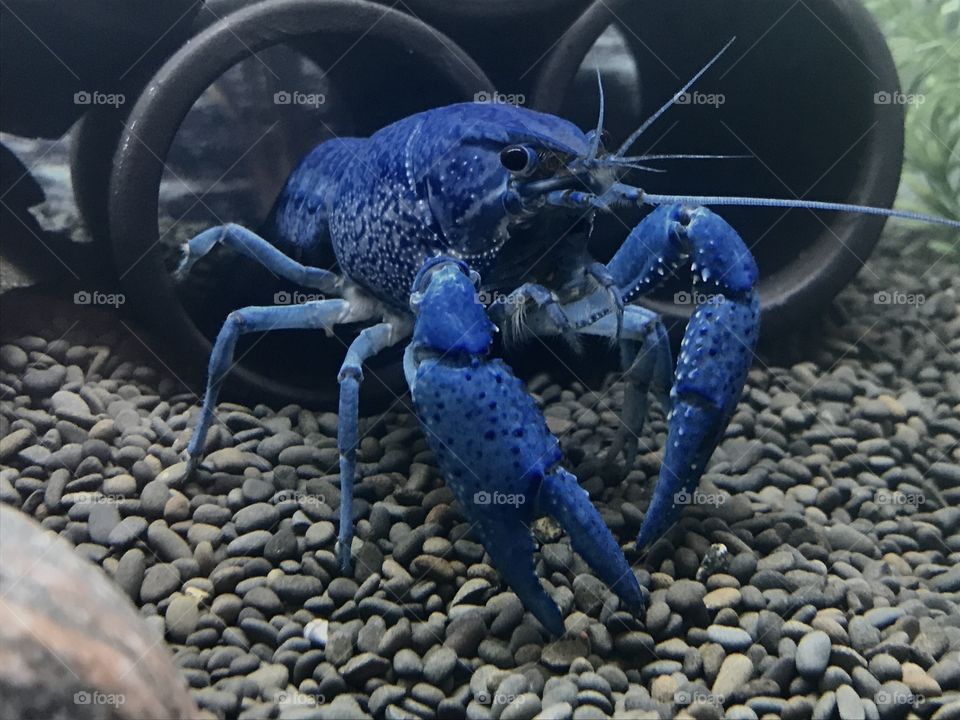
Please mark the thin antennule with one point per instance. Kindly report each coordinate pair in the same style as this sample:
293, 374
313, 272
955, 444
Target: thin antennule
667, 105
719, 200
595, 141
643, 158
633, 166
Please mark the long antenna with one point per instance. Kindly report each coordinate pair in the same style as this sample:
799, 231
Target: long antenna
595, 140
673, 156
667, 105
719, 200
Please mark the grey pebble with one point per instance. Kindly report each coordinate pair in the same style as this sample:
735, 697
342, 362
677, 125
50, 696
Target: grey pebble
885, 667
893, 700
438, 664
396, 637
735, 671
263, 599
166, 543
69, 404
44, 382
813, 654
384, 696
158, 582
730, 638
846, 537
407, 664
342, 589
319, 534
685, 596
14, 442
297, 589
464, 634
153, 498
259, 516
282, 545
13, 358
559, 654
524, 707
363, 667
232, 460
227, 606
252, 543
219, 702
130, 570
103, 518
211, 514
125, 533
881, 617
181, 617
848, 704
557, 711
947, 582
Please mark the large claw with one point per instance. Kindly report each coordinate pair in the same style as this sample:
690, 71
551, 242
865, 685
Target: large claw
714, 359
493, 445
717, 348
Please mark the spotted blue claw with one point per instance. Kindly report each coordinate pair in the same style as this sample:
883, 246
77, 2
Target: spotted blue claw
493, 445
717, 347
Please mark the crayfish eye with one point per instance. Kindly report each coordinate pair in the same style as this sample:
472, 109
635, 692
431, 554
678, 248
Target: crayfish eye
605, 137
518, 159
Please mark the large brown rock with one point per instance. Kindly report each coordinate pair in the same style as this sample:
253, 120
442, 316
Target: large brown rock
71, 644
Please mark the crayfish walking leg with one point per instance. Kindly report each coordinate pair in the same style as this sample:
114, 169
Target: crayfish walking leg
645, 359
318, 314
368, 343
248, 243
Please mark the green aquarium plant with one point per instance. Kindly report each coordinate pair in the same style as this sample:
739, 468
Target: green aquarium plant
924, 37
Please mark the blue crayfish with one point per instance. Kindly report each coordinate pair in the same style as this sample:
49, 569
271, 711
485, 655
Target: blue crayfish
442, 205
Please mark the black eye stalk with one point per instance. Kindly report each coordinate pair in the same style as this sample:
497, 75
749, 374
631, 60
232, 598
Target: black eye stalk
519, 160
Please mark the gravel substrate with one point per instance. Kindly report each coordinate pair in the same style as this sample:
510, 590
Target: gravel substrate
818, 576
